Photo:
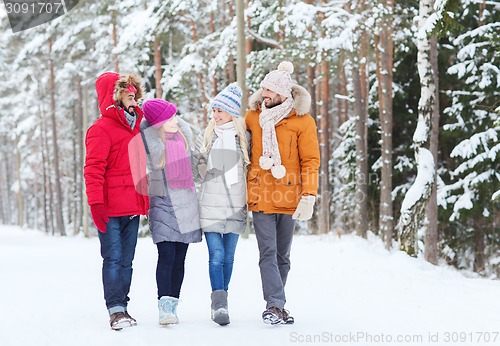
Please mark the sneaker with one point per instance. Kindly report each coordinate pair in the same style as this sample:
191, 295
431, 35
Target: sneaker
133, 321
119, 320
287, 319
272, 315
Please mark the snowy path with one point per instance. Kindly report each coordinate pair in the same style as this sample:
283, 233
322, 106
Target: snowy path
346, 291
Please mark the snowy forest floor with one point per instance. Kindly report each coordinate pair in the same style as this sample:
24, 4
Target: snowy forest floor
345, 291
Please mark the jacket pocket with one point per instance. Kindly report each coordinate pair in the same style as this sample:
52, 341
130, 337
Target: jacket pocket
121, 194
286, 192
253, 185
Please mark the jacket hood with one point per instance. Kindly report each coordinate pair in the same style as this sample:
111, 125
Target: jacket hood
301, 100
105, 86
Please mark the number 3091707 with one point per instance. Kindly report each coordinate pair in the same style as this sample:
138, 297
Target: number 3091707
38, 7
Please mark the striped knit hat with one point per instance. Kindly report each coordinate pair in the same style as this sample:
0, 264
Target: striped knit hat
229, 100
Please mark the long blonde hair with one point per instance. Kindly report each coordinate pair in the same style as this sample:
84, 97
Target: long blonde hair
241, 128
161, 134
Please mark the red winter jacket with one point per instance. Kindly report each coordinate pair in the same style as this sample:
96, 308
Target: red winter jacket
108, 178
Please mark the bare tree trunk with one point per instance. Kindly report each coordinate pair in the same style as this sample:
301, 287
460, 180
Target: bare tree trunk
44, 170
49, 196
8, 181
214, 77
241, 50
59, 199
85, 117
479, 245
311, 88
3, 219
324, 140
431, 234
249, 40
115, 42
342, 105
19, 192
415, 201
324, 202
311, 75
158, 70
360, 91
384, 63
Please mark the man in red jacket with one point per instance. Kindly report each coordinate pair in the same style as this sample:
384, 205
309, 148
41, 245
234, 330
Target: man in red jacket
114, 202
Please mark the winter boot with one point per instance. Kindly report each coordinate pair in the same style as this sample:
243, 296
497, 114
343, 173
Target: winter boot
133, 321
167, 306
287, 319
273, 315
119, 320
220, 314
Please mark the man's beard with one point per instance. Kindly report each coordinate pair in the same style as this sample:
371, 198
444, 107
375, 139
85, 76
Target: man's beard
273, 103
131, 110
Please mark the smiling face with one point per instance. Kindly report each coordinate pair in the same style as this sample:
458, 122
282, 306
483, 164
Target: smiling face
128, 102
221, 117
171, 125
272, 99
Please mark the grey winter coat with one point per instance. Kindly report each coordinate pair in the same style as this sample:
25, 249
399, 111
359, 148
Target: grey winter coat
173, 213
223, 209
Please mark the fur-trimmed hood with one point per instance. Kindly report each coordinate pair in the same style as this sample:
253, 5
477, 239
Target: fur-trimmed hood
122, 84
301, 100
106, 86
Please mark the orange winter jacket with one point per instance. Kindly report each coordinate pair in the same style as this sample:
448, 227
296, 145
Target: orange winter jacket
299, 150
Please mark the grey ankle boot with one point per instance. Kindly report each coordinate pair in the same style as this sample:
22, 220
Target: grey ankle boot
220, 314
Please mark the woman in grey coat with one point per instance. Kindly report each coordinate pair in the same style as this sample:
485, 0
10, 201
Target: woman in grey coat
173, 214
219, 163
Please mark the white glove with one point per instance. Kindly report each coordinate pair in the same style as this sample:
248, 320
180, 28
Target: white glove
304, 210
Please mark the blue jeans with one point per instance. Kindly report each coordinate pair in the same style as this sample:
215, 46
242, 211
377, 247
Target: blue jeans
117, 250
221, 248
170, 268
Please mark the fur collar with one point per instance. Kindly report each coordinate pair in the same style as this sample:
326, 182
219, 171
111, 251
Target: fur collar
301, 100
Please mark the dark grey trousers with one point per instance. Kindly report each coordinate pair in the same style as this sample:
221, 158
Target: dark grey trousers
274, 234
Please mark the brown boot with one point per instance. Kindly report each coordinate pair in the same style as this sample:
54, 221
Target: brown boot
287, 319
133, 321
272, 315
119, 320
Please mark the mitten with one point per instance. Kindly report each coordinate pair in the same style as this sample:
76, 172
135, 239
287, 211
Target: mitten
100, 216
305, 208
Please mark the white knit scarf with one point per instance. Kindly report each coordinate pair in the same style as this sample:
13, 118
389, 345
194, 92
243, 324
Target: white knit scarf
269, 117
223, 155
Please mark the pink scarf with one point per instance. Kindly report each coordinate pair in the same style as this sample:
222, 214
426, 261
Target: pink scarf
177, 163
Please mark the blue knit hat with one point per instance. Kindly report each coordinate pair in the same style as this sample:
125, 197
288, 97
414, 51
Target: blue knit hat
229, 100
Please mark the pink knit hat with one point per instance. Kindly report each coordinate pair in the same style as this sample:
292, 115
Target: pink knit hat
280, 80
158, 111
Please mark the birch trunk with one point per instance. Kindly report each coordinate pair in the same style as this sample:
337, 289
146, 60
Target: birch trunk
431, 234
415, 201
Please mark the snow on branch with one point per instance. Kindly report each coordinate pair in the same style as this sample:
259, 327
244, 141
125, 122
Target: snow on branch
268, 41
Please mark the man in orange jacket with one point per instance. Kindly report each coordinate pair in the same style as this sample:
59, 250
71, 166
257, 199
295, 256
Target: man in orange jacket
282, 178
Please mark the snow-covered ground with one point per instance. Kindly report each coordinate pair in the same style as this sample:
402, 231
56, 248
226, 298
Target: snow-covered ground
346, 291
